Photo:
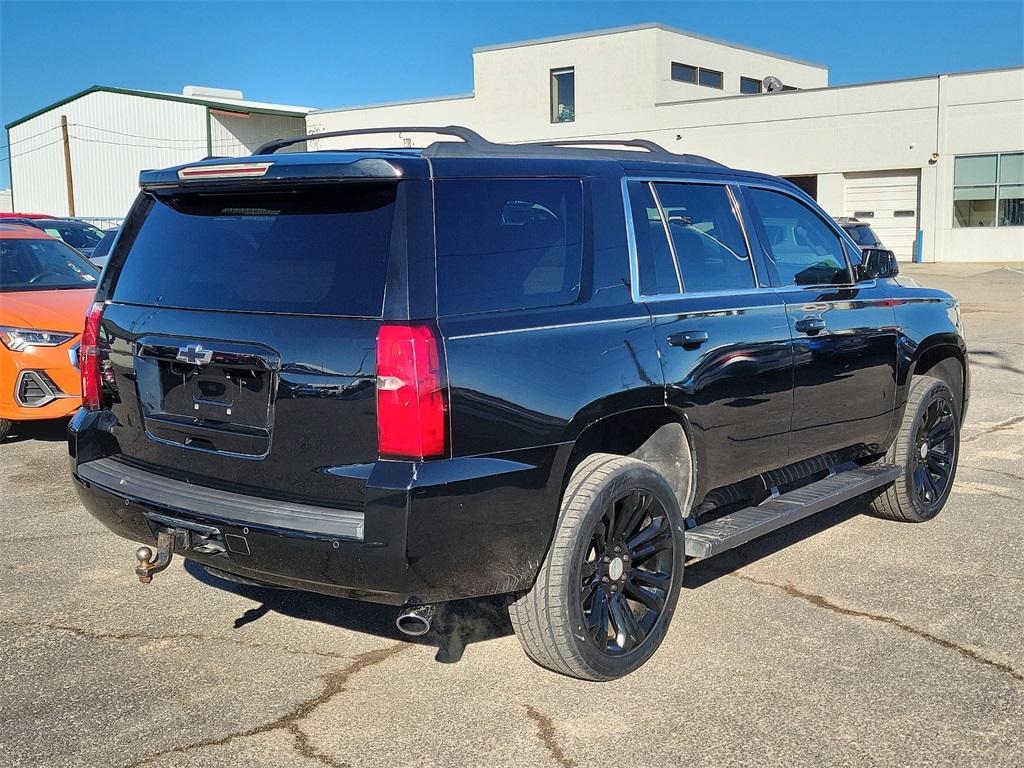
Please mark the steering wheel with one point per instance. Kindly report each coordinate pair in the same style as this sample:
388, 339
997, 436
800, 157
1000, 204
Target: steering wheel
42, 274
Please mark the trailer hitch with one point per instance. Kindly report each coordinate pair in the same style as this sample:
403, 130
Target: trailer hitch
171, 534
165, 541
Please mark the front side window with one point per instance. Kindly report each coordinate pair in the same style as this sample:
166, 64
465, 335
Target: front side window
505, 244
988, 190
706, 237
30, 264
563, 95
802, 246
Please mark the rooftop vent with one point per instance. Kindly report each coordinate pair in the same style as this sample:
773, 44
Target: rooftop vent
203, 92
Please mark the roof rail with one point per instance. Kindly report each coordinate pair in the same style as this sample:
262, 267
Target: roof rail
650, 146
470, 137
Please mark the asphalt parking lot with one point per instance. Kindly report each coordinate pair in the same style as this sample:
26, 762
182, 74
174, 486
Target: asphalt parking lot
844, 640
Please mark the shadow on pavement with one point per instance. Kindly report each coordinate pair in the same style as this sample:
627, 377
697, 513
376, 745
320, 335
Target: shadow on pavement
48, 431
456, 625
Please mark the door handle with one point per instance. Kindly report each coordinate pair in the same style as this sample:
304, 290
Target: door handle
810, 325
688, 339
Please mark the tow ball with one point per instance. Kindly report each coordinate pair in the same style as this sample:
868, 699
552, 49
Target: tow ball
164, 554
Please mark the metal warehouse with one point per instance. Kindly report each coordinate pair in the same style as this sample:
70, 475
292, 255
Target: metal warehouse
113, 133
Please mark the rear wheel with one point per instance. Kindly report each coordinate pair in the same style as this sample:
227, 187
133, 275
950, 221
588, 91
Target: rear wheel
927, 448
6, 425
607, 590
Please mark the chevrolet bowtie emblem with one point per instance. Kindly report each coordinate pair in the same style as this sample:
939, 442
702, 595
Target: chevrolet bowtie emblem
195, 354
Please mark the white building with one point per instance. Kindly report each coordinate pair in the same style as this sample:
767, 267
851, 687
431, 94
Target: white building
114, 133
935, 164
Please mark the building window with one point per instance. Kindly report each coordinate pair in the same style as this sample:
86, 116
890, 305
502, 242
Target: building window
684, 73
563, 95
710, 78
750, 85
687, 73
988, 190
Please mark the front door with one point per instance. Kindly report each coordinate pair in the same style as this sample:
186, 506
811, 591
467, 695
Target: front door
723, 338
844, 332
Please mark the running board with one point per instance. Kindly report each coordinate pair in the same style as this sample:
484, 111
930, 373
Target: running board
741, 526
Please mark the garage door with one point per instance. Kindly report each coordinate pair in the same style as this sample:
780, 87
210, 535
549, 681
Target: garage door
887, 200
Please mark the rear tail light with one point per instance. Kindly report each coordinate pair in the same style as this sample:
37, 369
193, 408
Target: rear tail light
89, 359
411, 409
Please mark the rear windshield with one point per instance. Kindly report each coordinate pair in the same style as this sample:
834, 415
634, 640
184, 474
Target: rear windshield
861, 234
313, 252
43, 265
506, 244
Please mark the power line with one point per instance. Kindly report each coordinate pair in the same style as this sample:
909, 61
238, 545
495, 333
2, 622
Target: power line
29, 138
139, 136
30, 151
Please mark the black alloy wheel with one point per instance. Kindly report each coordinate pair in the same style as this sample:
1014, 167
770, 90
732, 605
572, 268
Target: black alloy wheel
935, 452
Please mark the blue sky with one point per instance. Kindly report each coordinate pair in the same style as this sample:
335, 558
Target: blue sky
328, 54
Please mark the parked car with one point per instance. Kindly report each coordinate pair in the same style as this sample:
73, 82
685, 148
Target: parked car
552, 373
14, 215
860, 232
45, 289
102, 249
79, 235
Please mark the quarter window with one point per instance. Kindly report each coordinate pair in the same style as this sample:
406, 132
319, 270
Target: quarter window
802, 246
563, 95
506, 244
988, 190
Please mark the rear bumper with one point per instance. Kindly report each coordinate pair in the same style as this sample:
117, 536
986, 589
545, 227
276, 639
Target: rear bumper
429, 532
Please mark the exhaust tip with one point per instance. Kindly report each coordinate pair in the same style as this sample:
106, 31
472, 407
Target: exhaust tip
415, 621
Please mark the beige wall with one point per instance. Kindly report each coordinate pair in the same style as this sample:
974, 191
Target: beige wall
621, 84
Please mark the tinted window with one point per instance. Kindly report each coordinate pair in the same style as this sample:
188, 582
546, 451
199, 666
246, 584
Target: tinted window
507, 243
804, 249
292, 252
706, 237
710, 78
103, 248
29, 264
654, 258
750, 85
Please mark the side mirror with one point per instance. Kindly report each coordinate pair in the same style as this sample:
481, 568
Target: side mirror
877, 263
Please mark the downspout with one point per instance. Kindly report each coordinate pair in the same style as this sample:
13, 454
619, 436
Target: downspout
209, 135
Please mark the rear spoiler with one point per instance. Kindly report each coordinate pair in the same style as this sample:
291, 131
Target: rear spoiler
221, 170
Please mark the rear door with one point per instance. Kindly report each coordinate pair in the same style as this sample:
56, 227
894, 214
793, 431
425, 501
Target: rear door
722, 336
844, 332
242, 328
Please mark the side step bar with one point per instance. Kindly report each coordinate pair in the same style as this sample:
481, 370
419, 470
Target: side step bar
741, 526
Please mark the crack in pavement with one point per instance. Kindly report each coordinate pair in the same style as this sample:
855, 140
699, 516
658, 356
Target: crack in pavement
546, 734
91, 634
820, 601
1010, 475
1000, 427
334, 684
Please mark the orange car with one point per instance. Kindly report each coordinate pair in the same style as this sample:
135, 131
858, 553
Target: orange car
45, 289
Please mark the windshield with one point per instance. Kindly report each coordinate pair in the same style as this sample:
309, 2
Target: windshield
862, 235
38, 264
74, 233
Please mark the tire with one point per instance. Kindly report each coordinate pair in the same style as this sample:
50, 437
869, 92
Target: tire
922, 490
6, 425
582, 618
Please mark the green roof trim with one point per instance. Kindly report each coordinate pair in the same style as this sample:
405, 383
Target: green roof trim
225, 105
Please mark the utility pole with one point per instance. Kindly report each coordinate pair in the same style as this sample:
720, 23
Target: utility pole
67, 165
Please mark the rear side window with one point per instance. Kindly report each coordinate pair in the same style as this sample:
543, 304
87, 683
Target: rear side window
658, 273
706, 237
507, 244
296, 252
803, 248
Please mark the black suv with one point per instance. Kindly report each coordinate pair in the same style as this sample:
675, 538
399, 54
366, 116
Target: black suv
549, 372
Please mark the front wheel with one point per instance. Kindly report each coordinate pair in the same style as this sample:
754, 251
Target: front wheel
6, 425
927, 449
608, 587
